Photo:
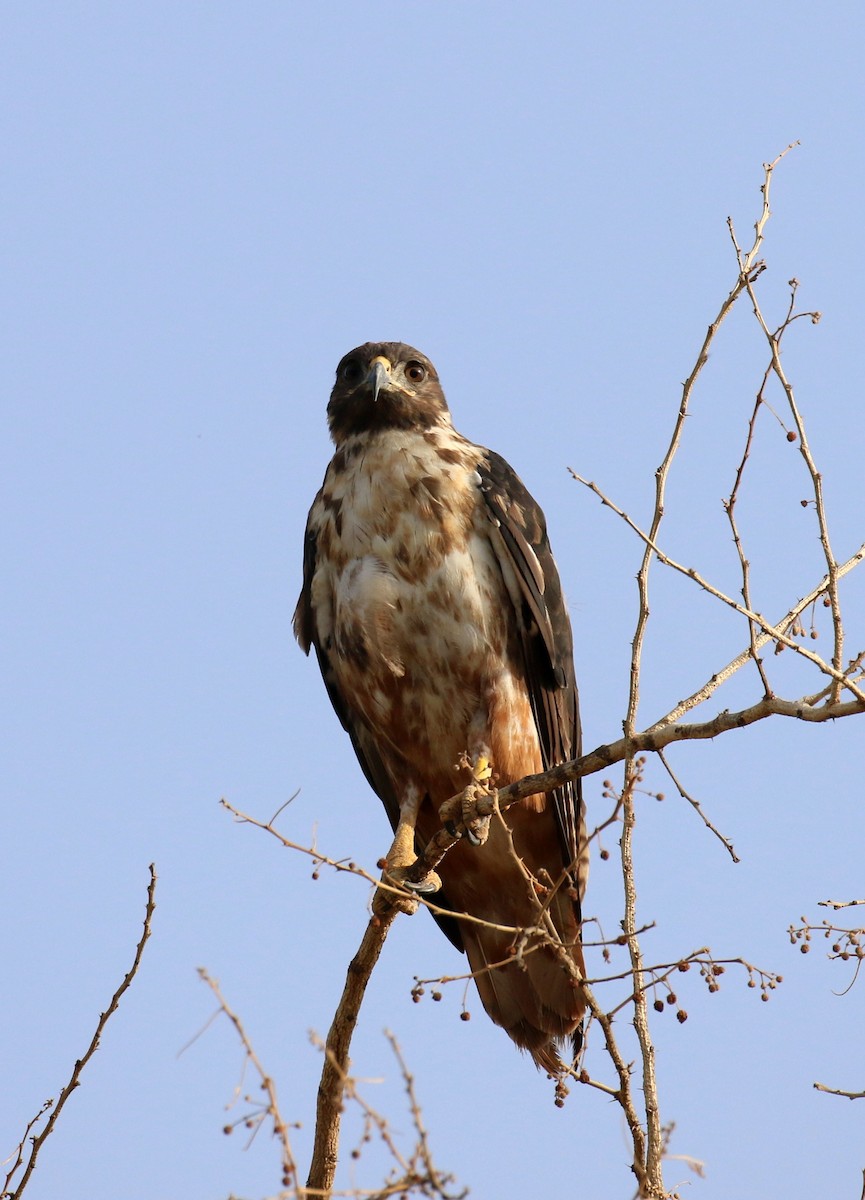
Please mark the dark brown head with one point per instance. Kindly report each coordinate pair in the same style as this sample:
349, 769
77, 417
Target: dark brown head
385, 385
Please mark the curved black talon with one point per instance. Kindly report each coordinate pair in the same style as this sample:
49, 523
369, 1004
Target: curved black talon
426, 886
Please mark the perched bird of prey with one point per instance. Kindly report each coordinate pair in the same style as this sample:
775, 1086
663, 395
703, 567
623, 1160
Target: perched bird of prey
434, 606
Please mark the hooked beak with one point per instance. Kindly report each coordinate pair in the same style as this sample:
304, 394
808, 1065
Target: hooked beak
379, 376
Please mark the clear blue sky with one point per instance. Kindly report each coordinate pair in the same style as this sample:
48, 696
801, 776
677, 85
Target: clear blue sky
205, 205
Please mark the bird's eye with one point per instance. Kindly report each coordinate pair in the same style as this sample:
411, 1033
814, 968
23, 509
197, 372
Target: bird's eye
415, 371
351, 371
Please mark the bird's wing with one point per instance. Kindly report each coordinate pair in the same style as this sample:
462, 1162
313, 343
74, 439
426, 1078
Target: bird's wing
519, 539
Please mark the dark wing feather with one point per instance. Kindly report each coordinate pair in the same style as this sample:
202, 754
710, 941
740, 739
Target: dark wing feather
523, 550
304, 622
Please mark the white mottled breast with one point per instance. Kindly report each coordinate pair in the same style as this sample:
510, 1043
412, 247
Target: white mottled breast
408, 597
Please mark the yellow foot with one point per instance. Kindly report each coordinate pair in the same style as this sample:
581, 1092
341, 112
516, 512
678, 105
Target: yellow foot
430, 883
406, 902
385, 900
461, 810
482, 770
477, 828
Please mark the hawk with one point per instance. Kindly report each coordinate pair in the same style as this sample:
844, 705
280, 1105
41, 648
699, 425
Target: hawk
433, 603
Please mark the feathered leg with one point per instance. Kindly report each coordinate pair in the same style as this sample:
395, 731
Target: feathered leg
401, 856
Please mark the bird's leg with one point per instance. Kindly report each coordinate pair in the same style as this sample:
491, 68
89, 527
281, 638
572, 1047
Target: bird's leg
477, 828
462, 808
401, 856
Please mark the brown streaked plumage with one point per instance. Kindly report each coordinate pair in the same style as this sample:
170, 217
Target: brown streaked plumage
433, 602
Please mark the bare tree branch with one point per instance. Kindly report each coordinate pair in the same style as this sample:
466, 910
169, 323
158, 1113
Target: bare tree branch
329, 1105
773, 632
653, 739
55, 1109
730, 509
843, 696
821, 1087
739, 661
697, 807
774, 340
271, 1109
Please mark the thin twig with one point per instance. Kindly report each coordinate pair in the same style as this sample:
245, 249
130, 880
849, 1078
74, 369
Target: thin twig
695, 804
774, 340
19, 1151
415, 1172
774, 632
719, 677
422, 1151
75, 1079
349, 867
280, 1128
821, 1087
730, 509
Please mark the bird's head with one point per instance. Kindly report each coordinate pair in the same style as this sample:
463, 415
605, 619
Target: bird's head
385, 385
